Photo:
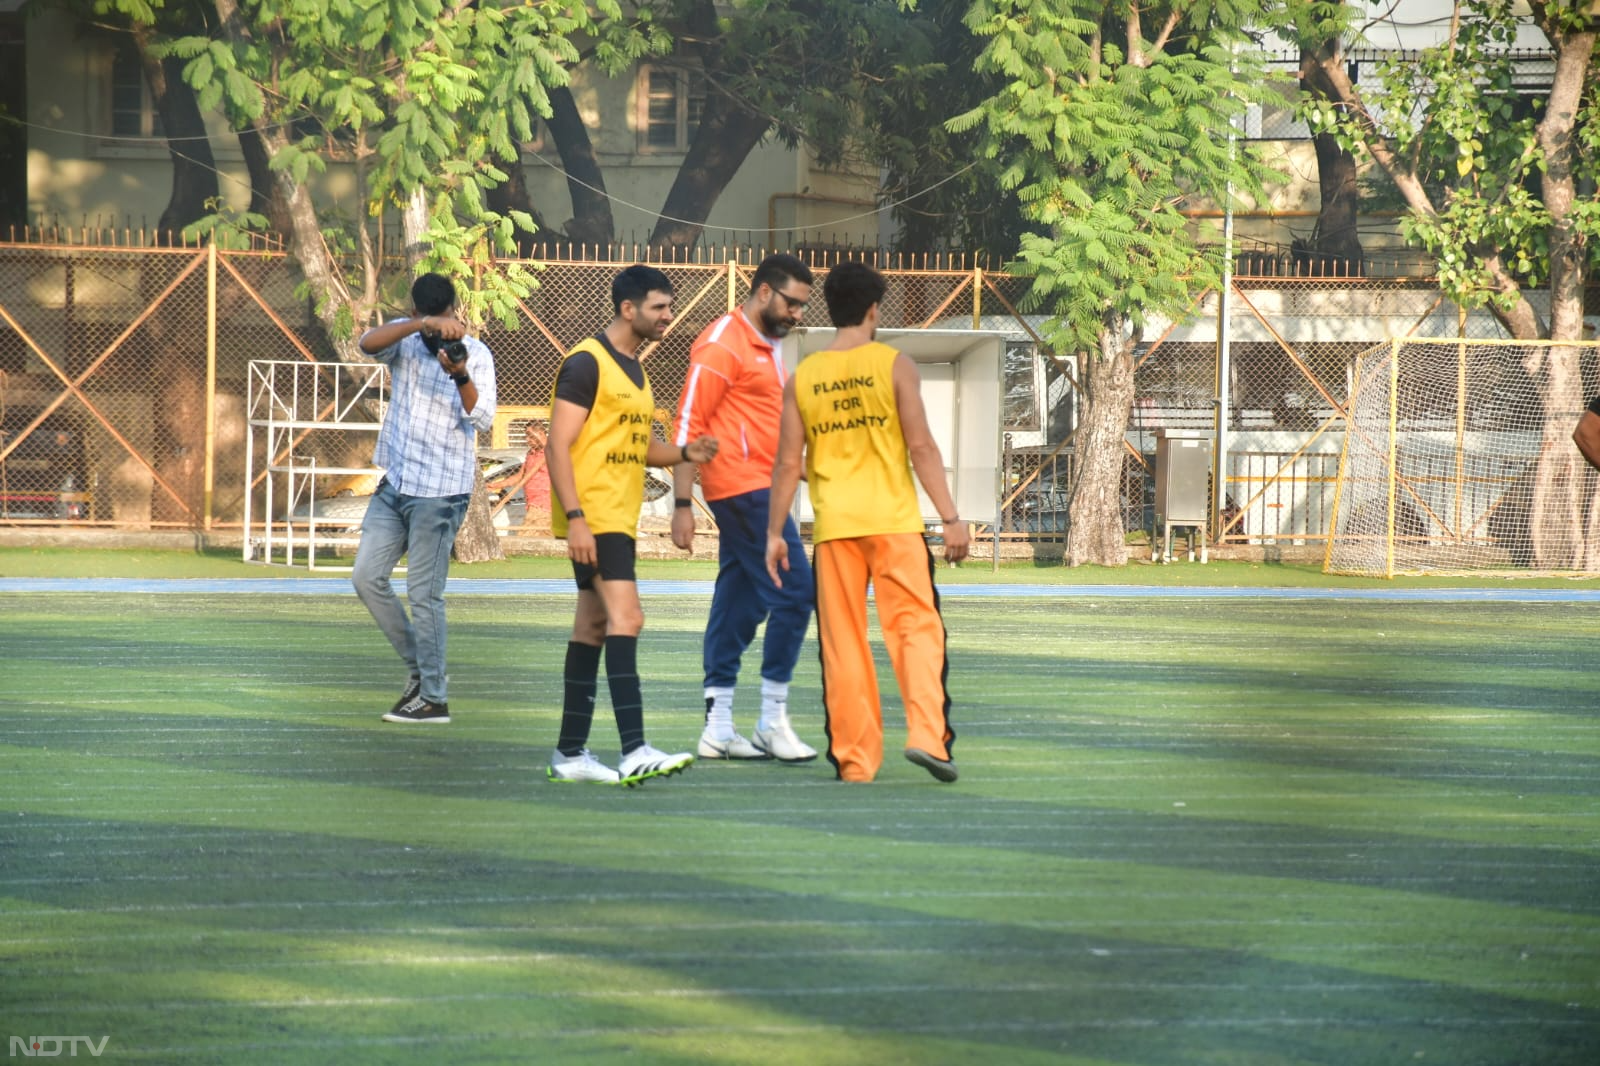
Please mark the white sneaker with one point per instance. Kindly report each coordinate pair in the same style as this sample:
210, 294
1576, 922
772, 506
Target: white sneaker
581, 767
735, 747
781, 743
646, 762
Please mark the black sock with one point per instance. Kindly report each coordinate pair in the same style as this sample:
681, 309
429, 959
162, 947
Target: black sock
627, 702
577, 707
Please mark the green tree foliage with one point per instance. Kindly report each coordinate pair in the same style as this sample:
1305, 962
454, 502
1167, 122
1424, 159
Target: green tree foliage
427, 101
1111, 117
1499, 182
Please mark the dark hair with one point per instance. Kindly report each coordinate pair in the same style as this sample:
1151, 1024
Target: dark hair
851, 288
635, 283
433, 294
777, 268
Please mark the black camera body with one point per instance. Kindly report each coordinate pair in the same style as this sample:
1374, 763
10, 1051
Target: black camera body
455, 351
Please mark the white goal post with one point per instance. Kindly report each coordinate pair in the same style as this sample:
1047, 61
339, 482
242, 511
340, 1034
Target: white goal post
1458, 459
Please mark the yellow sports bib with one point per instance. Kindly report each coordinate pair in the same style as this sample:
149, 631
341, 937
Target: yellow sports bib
857, 469
608, 458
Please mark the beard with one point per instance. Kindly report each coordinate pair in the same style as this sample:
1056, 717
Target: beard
775, 327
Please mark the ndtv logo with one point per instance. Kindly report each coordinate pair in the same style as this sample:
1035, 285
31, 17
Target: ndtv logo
51, 1046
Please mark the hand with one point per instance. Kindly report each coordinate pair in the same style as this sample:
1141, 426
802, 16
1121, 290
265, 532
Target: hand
957, 540
702, 449
445, 327
580, 542
777, 557
683, 528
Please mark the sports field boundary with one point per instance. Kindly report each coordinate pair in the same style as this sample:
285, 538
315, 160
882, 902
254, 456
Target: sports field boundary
312, 586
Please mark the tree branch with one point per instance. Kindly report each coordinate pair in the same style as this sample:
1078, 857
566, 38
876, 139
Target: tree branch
1165, 36
1326, 76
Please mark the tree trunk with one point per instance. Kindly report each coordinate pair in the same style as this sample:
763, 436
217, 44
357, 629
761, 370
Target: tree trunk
476, 541
1095, 532
194, 170
512, 195
265, 199
1569, 260
1335, 249
591, 222
1556, 532
1561, 536
727, 135
414, 229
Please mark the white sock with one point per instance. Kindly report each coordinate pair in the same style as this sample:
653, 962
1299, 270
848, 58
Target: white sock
719, 714
774, 703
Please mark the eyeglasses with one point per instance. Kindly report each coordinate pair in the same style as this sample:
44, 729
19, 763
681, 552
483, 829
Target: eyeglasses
793, 303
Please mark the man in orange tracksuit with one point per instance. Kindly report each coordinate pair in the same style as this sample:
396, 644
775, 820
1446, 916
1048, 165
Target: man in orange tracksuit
734, 393
856, 412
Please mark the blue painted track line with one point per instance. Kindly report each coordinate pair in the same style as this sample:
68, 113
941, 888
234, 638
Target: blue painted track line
318, 586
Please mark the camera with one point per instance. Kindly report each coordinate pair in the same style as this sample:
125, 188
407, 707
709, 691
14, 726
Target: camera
455, 351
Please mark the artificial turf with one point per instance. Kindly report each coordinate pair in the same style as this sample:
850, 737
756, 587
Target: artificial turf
1251, 832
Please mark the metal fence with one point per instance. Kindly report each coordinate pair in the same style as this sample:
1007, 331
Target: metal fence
124, 376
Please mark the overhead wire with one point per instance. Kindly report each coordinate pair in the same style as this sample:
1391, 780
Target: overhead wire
538, 157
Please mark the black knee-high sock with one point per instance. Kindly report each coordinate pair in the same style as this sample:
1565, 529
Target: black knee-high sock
627, 702
581, 675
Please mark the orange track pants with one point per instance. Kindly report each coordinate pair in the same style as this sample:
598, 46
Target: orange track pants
900, 569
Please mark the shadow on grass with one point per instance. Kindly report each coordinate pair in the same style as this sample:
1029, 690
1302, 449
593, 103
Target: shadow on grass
193, 941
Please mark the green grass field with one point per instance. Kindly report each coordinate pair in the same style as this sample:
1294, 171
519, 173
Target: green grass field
1187, 831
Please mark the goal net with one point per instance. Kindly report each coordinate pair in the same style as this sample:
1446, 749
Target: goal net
1458, 459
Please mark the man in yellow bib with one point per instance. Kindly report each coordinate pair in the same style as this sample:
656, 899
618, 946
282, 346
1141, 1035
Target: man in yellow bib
599, 444
855, 412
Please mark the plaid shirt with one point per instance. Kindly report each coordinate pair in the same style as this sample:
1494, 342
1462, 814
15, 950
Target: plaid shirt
428, 445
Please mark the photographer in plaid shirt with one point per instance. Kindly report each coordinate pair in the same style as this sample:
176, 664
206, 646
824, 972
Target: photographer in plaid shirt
442, 394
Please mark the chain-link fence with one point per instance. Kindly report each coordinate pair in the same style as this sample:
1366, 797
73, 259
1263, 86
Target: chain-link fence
116, 407
1281, 370
1277, 355
106, 417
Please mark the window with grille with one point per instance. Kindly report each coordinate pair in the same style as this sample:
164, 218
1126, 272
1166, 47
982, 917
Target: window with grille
133, 109
671, 101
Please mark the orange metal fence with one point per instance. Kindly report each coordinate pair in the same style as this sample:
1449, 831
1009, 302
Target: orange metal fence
123, 377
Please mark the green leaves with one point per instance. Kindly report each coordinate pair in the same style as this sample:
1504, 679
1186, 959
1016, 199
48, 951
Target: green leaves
1462, 120
421, 95
227, 228
1100, 149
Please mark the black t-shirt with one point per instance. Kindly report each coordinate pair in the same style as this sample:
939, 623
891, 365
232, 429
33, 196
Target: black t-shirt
579, 378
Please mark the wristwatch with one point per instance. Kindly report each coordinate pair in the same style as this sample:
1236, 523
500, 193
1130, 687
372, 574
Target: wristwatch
682, 501
576, 512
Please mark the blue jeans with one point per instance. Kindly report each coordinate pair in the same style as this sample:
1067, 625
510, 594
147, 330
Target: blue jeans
422, 528
745, 595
